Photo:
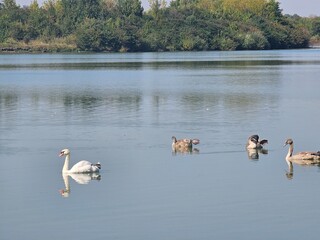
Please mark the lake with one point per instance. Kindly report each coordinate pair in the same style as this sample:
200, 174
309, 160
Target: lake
122, 109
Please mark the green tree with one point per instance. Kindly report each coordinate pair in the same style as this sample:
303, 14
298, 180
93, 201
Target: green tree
52, 10
129, 7
298, 37
35, 22
10, 5
89, 35
155, 6
254, 40
315, 26
272, 11
4, 25
12, 20
75, 11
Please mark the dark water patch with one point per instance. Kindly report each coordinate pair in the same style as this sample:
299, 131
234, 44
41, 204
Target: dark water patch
156, 65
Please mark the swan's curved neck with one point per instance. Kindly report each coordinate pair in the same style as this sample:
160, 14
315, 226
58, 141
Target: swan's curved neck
66, 164
289, 151
289, 163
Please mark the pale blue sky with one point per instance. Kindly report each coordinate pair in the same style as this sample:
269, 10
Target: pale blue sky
304, 8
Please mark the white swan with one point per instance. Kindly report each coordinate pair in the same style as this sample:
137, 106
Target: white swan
80, 167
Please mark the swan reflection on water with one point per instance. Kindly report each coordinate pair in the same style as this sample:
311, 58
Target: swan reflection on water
289, 173
253, 154
80, 178
185, 151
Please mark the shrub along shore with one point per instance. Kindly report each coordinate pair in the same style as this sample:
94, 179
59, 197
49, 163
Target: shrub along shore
124, 26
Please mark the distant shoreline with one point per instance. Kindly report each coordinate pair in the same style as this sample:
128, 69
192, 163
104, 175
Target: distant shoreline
73, 49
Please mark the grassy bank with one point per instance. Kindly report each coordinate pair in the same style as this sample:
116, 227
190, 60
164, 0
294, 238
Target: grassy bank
39, 45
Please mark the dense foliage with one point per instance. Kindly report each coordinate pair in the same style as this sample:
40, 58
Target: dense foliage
123, 25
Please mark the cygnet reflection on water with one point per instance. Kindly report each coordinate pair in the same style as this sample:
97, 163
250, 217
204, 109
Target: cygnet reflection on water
253, 154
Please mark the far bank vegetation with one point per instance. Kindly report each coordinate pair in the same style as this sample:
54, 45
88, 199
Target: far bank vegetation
124, 26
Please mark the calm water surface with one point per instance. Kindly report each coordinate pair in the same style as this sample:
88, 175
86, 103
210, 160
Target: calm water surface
122, 109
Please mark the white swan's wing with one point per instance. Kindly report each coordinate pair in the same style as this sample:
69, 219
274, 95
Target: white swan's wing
83, 167
82, 164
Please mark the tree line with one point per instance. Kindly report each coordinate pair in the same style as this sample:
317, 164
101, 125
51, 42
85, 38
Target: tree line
183, 25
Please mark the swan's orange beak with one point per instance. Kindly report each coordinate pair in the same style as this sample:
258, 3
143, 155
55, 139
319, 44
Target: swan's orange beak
61, 154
